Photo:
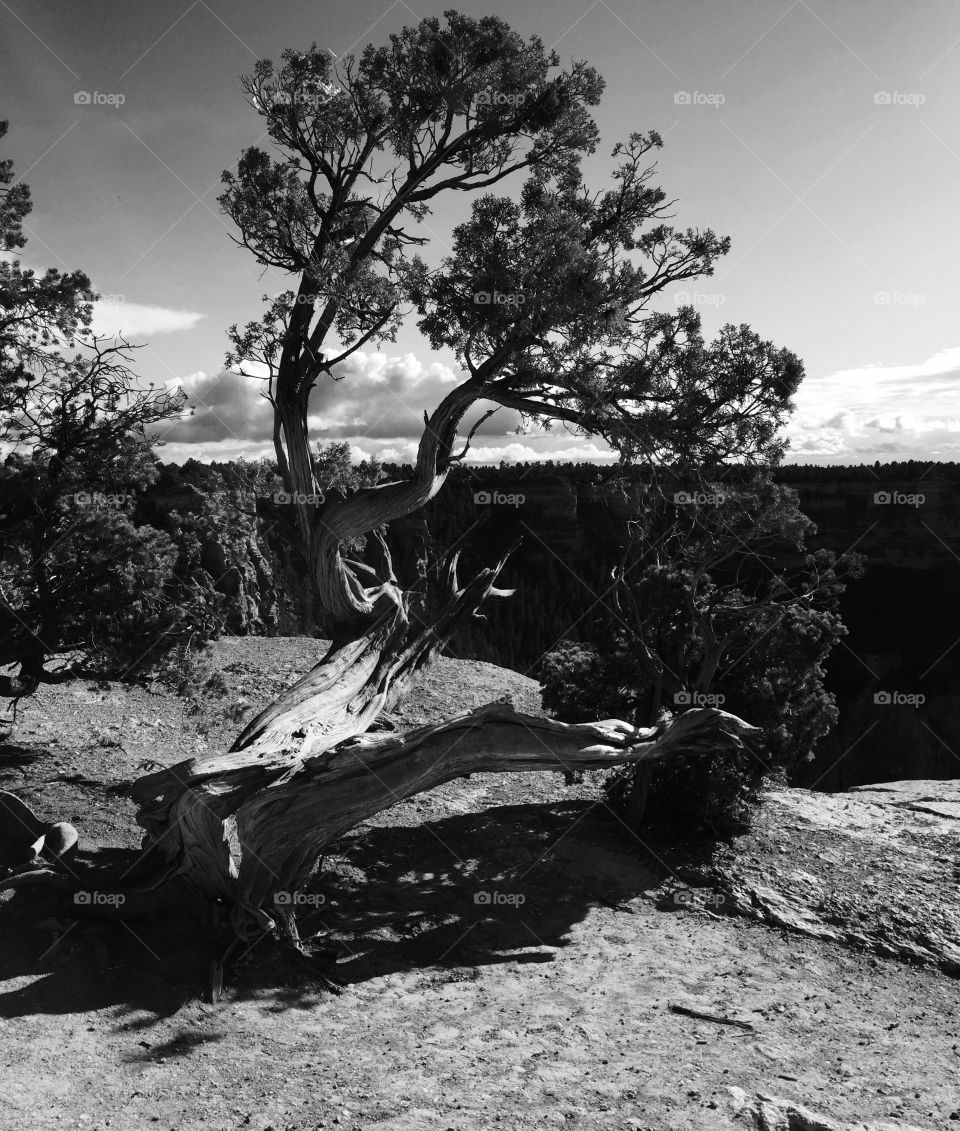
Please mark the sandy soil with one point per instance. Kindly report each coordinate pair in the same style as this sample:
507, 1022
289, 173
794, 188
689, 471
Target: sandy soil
506, 957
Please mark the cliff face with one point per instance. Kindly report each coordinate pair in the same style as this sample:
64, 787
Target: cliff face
913, 524
874, 741
910, 524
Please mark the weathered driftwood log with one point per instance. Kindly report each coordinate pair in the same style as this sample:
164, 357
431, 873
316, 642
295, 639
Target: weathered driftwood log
250, 847
341, 697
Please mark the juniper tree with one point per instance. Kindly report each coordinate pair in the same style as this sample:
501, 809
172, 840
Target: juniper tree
546, 301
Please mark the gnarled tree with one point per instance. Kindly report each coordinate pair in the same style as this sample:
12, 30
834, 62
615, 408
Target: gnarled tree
75, 576
545, 302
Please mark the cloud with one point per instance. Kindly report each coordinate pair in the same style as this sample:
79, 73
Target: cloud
374, 401
114, 315
515, 452
376, 404
384, 398
378, 401
226, 407
881, 412
222, 451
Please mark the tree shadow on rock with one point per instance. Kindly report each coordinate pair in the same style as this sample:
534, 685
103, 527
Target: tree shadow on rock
13, 757
471, 890
444, 898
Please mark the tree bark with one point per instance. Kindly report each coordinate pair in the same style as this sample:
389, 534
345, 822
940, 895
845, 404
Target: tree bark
338, 699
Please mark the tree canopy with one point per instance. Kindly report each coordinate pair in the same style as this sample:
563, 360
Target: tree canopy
546, 300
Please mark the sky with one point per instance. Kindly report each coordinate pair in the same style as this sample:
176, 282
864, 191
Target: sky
823, 137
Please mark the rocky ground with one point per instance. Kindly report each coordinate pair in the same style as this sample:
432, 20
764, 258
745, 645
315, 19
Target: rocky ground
512, 955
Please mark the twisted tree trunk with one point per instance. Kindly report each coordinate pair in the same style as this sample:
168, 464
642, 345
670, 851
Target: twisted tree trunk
251, 833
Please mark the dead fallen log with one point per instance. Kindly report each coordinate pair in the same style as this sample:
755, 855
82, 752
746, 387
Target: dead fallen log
257, 852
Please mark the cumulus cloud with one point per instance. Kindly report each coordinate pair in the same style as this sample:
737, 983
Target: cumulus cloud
537, 450
226, 407
378, 401
893, 412
114, 315
375, 402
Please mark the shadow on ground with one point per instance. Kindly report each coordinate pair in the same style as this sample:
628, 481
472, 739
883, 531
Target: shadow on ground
475, 889
13, 755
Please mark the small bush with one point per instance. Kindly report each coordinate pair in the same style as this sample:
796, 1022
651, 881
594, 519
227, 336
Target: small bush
689, 797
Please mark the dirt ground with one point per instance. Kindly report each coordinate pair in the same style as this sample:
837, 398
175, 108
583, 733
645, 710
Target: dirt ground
507, 956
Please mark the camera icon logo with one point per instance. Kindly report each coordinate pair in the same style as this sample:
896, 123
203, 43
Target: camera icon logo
682, 98
82, 98
881, 497
282, 898
482, 498
482, 298
882, 698
482, 898
683, 698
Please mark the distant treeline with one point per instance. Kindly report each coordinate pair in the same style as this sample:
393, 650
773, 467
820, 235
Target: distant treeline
571, 525
235, 473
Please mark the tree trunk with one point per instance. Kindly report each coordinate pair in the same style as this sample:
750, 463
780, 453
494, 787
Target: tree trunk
189, 810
